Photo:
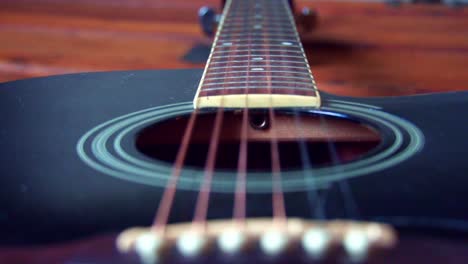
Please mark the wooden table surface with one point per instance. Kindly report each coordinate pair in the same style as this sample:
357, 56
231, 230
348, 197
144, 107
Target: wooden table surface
358, 48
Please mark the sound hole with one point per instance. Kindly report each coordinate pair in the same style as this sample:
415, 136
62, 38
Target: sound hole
327, 140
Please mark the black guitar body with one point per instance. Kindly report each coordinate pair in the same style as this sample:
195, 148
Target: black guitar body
49, 193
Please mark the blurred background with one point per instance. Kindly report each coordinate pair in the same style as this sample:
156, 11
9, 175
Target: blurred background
358, 47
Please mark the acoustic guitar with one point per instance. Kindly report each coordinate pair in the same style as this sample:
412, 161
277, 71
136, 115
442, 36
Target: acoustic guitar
247, 161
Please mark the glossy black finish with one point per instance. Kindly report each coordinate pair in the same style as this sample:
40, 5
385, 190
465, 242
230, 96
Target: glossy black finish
49, 195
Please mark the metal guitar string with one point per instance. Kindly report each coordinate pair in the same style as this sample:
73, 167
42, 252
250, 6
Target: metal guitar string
240, 199
279, 211
202, 203
350, 204
205, 188
240, 193
167, 199
349, 200
312, 195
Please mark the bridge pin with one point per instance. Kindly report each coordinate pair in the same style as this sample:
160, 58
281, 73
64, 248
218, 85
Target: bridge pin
191, 244
316, 242
356, 243
274, 242
232, 241
148, 246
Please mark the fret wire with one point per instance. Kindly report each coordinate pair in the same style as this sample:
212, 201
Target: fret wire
261, 87
257, 82
292, 72
270, 45
218, 32
266, 49
237, 77
265, 24
271, 55
275, 66
261, 61
291, 19
239, 6
237, 30
269, 66
233, 20
258, 39
290, 46
272, 10
249, 20
242, 35
258, 50
232, 49
243, 11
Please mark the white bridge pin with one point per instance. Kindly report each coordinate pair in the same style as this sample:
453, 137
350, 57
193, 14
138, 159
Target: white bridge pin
274, 242
191, 244
148, 246
316, 242
356, 244
232, 241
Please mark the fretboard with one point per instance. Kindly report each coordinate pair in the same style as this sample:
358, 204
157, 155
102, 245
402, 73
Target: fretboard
257, 60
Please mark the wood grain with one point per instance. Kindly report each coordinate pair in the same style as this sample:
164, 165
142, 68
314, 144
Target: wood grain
361, 49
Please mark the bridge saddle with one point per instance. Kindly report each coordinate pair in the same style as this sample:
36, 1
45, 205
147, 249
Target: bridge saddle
353, 241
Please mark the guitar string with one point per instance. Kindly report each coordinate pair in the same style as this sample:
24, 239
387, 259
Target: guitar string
349, 201
278, 196
350, 204
167, 200
240, 199
201, 208
316, 207
279, 210
165, 205
202, 203
241, 180
305, 160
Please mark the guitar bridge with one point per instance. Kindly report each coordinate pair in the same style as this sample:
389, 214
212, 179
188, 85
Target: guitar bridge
259, 238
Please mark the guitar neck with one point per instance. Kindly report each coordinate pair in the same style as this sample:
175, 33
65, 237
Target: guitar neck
257, 60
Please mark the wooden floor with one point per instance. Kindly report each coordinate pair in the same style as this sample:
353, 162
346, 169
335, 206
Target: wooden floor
358, 48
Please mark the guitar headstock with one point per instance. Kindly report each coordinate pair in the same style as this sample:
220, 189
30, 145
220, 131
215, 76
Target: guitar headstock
261, 239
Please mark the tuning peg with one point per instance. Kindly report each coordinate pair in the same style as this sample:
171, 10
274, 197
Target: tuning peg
208, 20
